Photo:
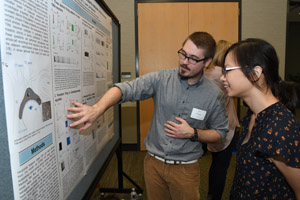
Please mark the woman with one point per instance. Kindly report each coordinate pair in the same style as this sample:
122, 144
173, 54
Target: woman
268, 152
221, 152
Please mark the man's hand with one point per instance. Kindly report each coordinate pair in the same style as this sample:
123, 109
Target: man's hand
180, 130
82, 114
87, 115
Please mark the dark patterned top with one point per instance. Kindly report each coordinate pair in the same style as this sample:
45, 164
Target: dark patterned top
276, 132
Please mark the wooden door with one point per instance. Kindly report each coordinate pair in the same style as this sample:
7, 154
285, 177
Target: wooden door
220, 19
162, 28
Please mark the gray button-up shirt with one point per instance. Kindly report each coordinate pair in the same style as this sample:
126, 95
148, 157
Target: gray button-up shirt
202, 105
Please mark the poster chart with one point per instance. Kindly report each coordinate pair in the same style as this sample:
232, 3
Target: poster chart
53, 52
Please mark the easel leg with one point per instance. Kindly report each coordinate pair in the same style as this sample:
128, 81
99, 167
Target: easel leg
121, 188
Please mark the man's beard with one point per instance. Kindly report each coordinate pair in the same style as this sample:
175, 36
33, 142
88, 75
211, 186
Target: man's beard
185, 77
180, 72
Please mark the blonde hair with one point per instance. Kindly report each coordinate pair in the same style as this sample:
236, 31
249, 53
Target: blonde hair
221, 48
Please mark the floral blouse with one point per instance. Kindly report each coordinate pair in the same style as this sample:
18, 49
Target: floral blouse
276, 132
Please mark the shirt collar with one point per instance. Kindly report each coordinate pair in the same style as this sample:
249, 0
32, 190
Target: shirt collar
197, 84
268, 110
264, 112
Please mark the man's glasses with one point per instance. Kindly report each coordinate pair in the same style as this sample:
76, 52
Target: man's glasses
182, 56
225, 70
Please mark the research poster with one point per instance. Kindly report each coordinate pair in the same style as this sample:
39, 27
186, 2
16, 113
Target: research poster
53, 52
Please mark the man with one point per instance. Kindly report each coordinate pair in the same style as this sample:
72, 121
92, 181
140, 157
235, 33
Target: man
188, 109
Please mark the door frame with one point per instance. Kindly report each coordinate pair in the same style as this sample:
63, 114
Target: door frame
138, 146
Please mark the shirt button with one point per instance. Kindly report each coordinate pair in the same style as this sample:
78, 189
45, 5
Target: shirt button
182, 101
171, 142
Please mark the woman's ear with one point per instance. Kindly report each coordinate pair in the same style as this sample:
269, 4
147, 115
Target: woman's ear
258, 71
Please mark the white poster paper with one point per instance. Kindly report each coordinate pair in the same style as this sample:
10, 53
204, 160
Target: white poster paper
53, 52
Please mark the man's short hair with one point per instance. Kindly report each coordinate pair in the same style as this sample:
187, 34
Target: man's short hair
204, 41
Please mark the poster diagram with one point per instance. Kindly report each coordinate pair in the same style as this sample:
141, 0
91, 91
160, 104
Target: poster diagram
53, 52
29, 85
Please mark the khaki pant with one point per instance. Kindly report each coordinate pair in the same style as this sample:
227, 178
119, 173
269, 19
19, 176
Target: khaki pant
171, 182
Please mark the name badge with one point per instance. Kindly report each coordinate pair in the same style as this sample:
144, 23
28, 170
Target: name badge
198, 114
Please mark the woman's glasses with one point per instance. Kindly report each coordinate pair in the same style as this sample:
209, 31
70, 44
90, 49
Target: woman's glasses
226, 70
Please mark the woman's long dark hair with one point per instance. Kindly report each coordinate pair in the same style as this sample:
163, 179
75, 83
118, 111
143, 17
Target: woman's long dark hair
257, 52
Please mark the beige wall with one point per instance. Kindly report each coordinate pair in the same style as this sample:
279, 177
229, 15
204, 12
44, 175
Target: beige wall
264, 19
124, 11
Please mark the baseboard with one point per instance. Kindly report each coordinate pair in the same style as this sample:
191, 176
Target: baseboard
130, 147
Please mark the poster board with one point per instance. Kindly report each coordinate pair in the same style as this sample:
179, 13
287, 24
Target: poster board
53, 52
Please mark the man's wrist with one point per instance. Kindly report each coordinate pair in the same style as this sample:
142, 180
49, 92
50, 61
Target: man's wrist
194, 137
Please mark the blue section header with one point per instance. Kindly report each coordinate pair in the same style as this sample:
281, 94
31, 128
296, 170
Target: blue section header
36, 148
81, 12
